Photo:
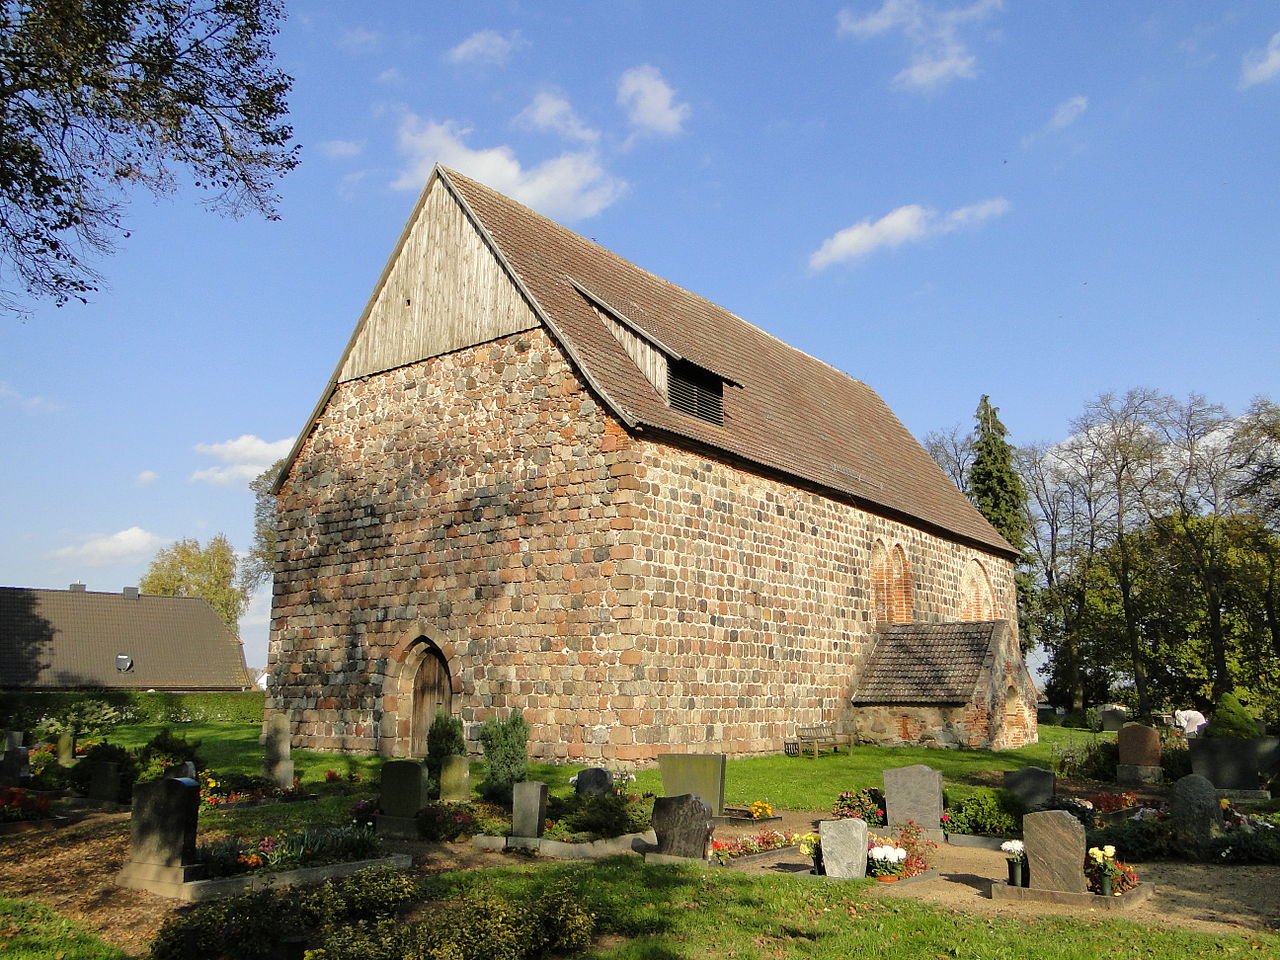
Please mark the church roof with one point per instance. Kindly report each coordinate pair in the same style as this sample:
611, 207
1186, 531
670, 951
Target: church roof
933, 663
782, 409
67, 639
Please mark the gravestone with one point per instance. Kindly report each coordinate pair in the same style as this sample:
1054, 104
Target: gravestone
1194, 812
403, 794
593, 782
1033, 786
914, 793
1055, 849
277, 762
701, 774
184, 770
12, 740
104, 781
528, 809
162, 836
1140, 754
1113, 718
683, 826
844, 847
15, 769
66, 748
455, 779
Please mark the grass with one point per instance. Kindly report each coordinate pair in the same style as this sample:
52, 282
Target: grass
32, 932
665, 913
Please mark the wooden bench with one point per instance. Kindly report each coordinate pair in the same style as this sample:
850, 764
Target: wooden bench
820, 736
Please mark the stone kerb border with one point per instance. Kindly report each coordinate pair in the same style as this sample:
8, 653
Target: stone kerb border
1124, 901
559, 850
198, 891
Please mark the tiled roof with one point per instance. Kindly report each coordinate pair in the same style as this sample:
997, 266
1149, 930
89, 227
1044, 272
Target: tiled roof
928, 662
784, 409
58, 639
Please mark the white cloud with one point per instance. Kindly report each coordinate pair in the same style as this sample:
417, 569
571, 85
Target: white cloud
1067, 113
358, 40
906, 224
391, 75
100, 550
30, 404
245, 458
938, 55
485, 46
342, 148
571, 186
1259, 66
146, 478
553, 113
650, 102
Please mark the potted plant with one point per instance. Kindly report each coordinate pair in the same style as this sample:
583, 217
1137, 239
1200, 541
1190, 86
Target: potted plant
886, 863
810, 845
1231, 750
1016, 855
1107, 876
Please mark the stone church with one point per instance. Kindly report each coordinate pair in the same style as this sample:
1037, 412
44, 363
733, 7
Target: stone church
543, 478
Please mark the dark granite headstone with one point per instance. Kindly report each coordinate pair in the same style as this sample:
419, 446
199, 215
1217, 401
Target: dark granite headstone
455, 779
914, 793
163, 825
683, 826
15, 769
12, 740
844, 847
404, 788
104, 781
1033, 786
1055, 849
277, 762
594, 782
1113, 718
1139, 745
701, 774
528, 808
1194, 811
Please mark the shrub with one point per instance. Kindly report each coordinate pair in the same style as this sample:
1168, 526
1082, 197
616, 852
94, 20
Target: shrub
85, 717
440, 820
1175, 759
1093, 760
506, 755
82, 772
444, 739
987, 815
46, 772
1082, 719
1082, 810
166, 749
1139, 840
865, 805
1231, 720
597, 817
492, 925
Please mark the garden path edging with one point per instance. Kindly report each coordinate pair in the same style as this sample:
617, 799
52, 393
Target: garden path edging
198, 891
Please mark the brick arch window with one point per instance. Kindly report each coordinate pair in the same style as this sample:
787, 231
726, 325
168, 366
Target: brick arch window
977, 601
891, 584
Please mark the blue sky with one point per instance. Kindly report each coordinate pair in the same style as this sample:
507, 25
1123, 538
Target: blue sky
1035, 201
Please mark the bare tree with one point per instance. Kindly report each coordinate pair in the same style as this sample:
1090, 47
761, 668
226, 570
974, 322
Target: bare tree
952, 450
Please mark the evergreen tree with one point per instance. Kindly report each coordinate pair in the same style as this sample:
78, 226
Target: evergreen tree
993, 484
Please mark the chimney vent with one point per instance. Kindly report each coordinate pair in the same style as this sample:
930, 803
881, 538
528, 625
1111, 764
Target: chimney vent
130, 593
77, 588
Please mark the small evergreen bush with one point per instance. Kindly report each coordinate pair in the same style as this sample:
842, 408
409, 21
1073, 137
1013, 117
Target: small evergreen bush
1231, 720
579, 819
444, 739
166, 749
506, 755
82, 772
987, 815
1093, 760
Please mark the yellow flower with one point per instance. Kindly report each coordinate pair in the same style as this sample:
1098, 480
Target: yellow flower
1109, 851
1096, 854
1224, 803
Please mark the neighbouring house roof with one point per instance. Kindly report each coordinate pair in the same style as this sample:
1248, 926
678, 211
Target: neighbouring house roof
60, 639
783, 409
933, 663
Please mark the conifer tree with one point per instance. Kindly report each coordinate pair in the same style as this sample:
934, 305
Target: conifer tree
993, 483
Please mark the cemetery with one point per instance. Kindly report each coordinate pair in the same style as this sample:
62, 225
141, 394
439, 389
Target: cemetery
1012, 836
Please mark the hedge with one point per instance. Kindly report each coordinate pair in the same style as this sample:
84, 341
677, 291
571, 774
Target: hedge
22, 711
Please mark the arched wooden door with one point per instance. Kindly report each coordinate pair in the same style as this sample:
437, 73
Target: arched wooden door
431, 692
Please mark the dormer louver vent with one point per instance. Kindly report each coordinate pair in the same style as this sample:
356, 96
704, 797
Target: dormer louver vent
697, 392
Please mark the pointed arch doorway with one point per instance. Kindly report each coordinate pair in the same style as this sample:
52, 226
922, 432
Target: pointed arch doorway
432, 691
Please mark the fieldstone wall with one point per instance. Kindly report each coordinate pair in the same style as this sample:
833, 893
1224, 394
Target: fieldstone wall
631, 597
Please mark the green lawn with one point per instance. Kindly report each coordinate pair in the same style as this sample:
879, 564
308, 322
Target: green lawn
29, 931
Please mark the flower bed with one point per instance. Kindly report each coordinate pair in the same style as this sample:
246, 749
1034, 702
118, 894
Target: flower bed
731, 848
287, 851
917, 851
240, 790
19, 805
867, 805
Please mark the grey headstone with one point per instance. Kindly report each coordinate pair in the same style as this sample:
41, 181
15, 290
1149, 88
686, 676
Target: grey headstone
404, 788
844, 847
914, 793
179, 770
682, 825
594, 782
528, 808
163, 825
277, 748
1194, 811
66, 749
1138, 775
15, 768
1113, 719
701, 774
1055, 848
12, 740
104, 781
455, 779
1139, 745
1033, 786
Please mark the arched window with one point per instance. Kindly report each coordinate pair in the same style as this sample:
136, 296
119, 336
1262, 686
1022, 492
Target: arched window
891, 584
977, 602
